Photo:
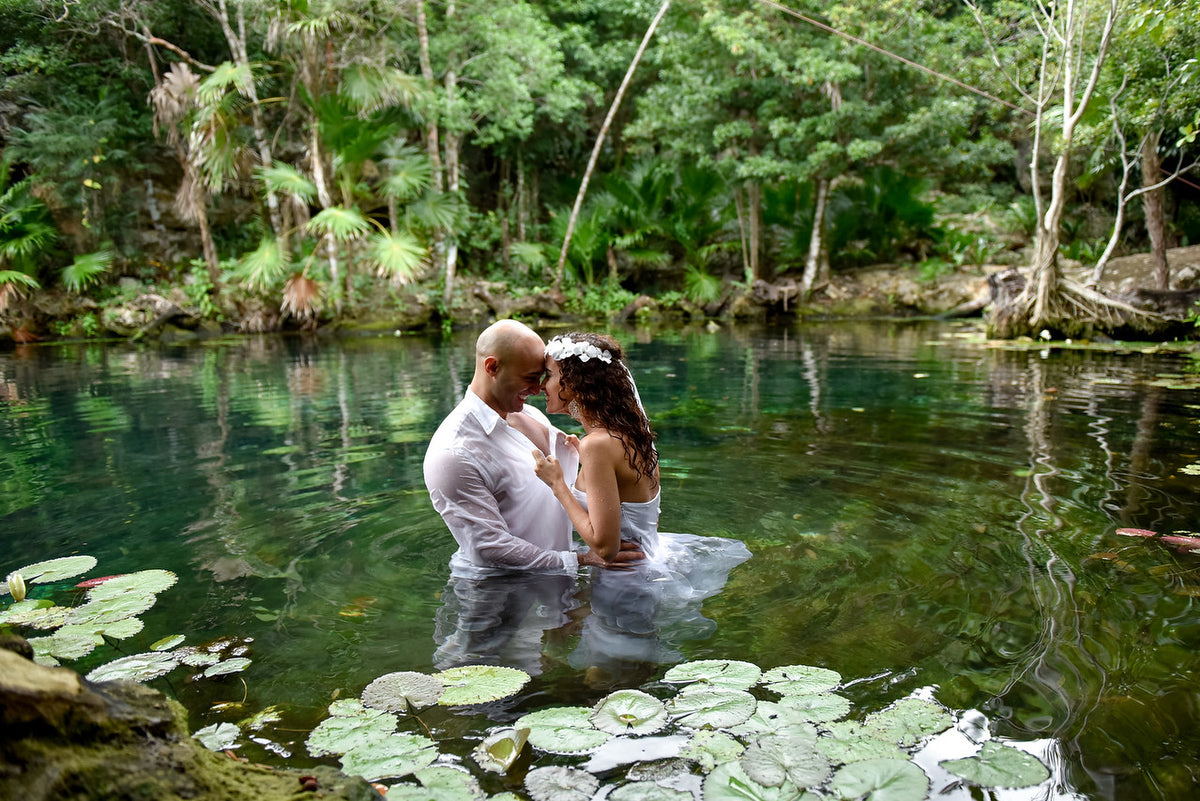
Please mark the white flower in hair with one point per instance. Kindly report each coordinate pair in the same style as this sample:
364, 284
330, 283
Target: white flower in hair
563, 347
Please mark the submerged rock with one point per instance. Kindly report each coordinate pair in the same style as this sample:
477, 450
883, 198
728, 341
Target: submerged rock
62, 738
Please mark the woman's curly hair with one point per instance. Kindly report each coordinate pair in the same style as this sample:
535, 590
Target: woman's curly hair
606, 394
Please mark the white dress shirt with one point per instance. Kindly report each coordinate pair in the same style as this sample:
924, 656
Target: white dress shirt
480, 477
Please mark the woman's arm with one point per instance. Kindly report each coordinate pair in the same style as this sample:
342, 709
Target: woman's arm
599, 525
538, 434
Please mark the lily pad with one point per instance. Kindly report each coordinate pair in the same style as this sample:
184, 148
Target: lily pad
58, 646
629, 712
801, 680
235, 665
881, 780
500, 749
105, 611
819, 707
167, 643
479, 684
219, 736
729, 782
999, 765
648, 791
728, 673
194, 657
390, 758
561, 784
907, 721
35, 613
52, 570
403, 691
143, 582
776, 758
698, 707
562, 730
846, 741
711, 748
139, 668
350, 729
439, 783
263, 718
771, 717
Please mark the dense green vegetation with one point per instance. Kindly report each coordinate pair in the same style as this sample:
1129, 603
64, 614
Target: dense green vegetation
282, 163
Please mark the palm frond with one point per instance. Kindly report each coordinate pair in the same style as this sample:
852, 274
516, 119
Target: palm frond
86, 270
397, 257
436, 210
301, 297
18, 279
173, 98
700, 286
408, 174
264, 266
530, 254
284, 179
340, 223
226, 75
371, 88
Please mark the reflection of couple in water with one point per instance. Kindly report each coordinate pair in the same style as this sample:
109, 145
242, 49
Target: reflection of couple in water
511, 487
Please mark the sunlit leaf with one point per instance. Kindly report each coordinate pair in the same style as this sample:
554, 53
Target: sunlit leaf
629, 712
438, 783
819, 707
106, 611
285, 179
167, 643
711, 748
37, 613
500, 749
397, 257
402, 691
776, 758
86, 269
389, 758
194, 657
727, 673
53, 570
561, 784
562, 730
219, 736
700, 706
800, 679
771, 717
846, 741
339, 223
479, 684
999, 765
648, 791
262, 718
881, 780
59, 646
235, 665
139, 668
143, 582
907, 721
620, 751
728, 782
351, 727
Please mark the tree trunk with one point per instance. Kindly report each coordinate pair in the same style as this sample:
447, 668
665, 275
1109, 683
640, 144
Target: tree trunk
521, 208
754, 212
1043, 288
812, 262
1152, 201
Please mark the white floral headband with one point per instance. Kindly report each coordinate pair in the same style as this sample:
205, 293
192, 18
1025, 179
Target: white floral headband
562, 347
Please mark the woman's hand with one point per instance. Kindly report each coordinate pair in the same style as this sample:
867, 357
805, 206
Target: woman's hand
548, 469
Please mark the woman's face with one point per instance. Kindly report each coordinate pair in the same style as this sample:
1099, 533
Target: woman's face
557, 398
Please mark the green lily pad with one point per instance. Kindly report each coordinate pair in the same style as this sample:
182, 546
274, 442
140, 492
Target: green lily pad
728, 673
648, 791
167, 643
562, 730
500, 749
771, 717
235, 665
390, 758
907, 721
219, 736
439, 783
52, 570
403, 691
819, 707
479, 684
729, 782
700, 706
881, 780
350, 728
262, 718
846, 741
561, 784
139, 668
35, 613
711, 748
59, 646
629, 712
776, 758
143, 582
106, 611
999, 765
801, 679
194, 657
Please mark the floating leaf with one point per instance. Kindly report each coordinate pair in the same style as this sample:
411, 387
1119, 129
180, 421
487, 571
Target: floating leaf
907, 721
219, 736
629, 712
500, 749
235, 665
105, 611
167, 643
561, 784
881, 780
711, 748
139, 668
479, 684
59, 646
439, 783
728, 782
846, 741
648, 791
776, 758
349, 728
999, 765
800, 680
562, 730
819, 708
392, 757
53, 570
35, 613
95, 582
771, 717
402, 691
1136, 532
727, 673
194, 657
143, 582
260, 719
699, 706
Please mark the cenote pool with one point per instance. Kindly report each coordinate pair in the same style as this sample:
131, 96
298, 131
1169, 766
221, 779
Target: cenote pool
928, 515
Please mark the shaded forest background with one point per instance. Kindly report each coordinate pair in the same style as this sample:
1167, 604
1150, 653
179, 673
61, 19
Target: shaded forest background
262, 165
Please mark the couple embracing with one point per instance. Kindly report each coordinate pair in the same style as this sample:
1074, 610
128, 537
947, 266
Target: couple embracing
511, 486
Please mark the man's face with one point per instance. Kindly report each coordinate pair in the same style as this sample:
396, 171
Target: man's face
518, 377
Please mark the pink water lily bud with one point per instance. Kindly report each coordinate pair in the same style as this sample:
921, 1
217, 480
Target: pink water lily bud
16, 585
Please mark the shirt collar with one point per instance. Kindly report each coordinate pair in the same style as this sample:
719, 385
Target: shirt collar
487, 417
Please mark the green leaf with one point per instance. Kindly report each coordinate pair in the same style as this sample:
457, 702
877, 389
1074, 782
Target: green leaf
14, 277
479, 684
139, 668
562, 730
143, 582
403, 691
699, 706
818, 708
397, 257
629, 712
263, 267
881, 780
167, 643
37, 613
86, 270
392, 757
439, 783
53, 570
999, 765
711, 748
907, 721
219, 736
648, 791
339, 223
776, 758
727, 673
771, 717
500, 749
800, 680
284, 179
561, 784
235, 665
106, 611
728, 782
350, 727
59, 646
846, 741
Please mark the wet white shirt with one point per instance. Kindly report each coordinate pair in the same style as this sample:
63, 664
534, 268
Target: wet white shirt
480, 477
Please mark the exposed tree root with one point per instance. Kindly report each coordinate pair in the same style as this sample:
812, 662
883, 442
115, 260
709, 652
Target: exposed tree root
1069, 310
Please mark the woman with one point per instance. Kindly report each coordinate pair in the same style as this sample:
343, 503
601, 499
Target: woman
616, 495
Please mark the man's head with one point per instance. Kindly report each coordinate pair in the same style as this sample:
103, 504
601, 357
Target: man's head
509, 365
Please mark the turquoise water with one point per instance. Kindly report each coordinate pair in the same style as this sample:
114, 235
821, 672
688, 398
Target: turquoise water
924, 512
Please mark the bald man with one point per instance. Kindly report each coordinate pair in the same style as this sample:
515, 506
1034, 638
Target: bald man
479, 469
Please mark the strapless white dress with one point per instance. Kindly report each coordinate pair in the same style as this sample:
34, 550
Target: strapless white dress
645, 613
